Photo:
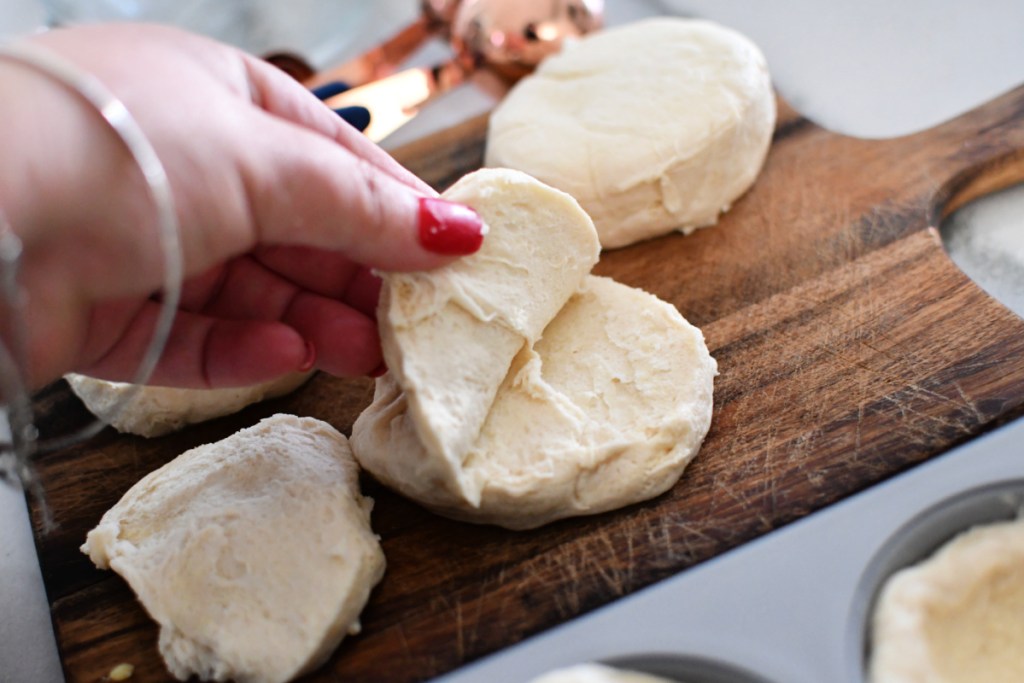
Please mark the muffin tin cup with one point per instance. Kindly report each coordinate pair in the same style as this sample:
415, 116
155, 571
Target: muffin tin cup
795, 605
920, 538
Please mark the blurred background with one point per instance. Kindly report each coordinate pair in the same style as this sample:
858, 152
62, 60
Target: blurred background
872, 68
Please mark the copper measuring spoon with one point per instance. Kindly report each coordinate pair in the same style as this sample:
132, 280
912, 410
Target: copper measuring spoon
379, 61
507, 38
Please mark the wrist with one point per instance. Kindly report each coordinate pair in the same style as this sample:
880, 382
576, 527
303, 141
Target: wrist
85, 198
66, 179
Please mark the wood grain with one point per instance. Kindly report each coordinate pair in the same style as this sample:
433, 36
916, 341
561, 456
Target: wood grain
850, 348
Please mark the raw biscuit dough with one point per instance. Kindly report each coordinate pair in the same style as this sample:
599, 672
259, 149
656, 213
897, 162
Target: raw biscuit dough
449, 335
254, 554
605, 409
597, 673
155, 411
653, 126
957, 617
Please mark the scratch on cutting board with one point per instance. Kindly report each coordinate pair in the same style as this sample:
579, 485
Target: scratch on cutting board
800, 446
919, 422
925, 391
857, 434
403, 640
579, 565
744, 503
969, 403
466, 630
593, 559
460, 627
769, 471
630, 556
471, 636
466, 626
658, 536
567, 603
690, 548
612, 575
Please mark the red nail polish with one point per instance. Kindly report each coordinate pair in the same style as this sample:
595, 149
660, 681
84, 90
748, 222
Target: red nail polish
310, 359
449, 228
379, 371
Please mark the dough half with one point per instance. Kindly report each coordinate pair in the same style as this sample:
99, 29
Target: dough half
653, 126
449, 335
957, 617
155, 411
607, 409
254, 554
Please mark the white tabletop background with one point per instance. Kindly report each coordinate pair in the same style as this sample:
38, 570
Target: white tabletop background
873, 68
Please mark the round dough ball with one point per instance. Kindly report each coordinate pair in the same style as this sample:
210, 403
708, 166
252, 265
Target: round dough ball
956, 617
152, 411
654, 126
254, 554
607, 409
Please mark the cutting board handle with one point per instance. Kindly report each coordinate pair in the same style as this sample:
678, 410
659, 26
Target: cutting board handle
967, 157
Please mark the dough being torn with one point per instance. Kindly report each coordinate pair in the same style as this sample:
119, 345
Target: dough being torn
957, 617
653, 126
449, 335
155, 411
605, 409
597, 673
253, 554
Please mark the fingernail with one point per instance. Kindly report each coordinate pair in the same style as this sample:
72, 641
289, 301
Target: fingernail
310, 360
379, 371
449, 228
358, 117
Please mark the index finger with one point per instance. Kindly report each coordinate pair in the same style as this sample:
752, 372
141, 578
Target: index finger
280, 95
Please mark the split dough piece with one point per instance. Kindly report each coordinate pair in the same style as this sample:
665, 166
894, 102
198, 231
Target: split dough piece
956, 617
653, 126
155, 411
449, 335
597, 673
253, 554
605, 409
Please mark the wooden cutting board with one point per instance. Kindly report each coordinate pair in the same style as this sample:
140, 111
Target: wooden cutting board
850, 348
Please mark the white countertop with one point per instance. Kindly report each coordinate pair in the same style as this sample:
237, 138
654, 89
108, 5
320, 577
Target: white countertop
873, 68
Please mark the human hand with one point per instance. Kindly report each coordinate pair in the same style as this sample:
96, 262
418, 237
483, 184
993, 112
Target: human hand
283, 208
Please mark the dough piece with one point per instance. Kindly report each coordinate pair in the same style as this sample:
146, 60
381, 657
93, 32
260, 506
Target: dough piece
155, 411
449, 335
597, 673
606, 410
653, 126
254, 554
957, 617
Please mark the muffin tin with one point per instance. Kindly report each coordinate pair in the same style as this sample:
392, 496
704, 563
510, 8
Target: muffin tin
795, 605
